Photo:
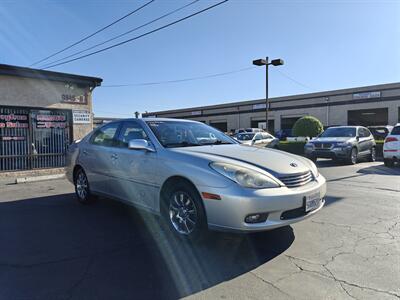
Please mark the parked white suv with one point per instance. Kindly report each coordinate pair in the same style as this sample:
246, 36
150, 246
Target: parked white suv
391, 147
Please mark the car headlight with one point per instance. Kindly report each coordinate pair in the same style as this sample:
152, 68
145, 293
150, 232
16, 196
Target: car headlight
344, 144
244, 177
309, 145
314, 169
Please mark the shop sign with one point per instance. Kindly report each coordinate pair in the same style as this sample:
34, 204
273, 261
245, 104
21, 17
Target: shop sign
367, 95
51, 121
13, 121
74, 99
81, 116
196, 113
259, 106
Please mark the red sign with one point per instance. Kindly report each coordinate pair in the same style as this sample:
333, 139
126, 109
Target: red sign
51, 121
13, 121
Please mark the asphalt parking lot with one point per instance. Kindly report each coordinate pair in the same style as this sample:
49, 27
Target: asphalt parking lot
54, 248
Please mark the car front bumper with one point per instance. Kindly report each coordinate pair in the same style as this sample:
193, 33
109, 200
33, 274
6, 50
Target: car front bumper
283, 205
340, 152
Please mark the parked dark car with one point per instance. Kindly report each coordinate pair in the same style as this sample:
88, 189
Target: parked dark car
347, 143
380, 132
283, 134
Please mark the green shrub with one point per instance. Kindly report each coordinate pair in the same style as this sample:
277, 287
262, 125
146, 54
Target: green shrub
292, 147
307, 126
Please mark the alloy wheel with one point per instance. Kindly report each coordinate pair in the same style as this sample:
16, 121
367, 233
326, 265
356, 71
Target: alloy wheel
182, 213
81, 185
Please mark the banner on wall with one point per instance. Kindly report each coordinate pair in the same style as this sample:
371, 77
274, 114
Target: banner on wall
13, 121
51, 121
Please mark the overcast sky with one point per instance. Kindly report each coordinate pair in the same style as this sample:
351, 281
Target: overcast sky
326, 45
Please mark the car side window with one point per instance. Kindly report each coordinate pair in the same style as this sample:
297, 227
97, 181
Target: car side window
257, 137
105, 136
131, 131
266, 136
364, 132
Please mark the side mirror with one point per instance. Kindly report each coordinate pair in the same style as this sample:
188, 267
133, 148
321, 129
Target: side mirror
357, 138
140, 144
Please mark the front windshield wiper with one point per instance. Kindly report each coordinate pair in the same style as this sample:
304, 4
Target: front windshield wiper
181, 144
217, 142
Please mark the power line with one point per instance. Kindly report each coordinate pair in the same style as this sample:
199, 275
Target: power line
139, 36
125, 33
178, 80
96, 32
295, 81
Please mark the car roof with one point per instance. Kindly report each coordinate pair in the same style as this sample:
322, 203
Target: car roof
155, 120
345, 127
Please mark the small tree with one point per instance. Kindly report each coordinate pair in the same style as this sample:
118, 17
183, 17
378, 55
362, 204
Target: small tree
307, 126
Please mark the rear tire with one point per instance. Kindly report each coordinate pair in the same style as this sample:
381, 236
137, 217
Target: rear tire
183, 212
352, 160
82, 189
372, 155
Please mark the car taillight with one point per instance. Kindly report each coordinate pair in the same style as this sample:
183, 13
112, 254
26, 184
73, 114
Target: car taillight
391, 139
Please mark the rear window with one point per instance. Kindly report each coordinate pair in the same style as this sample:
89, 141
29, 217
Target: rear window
396, 130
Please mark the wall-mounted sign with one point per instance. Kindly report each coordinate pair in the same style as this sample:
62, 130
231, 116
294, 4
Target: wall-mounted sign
367, 95
51, 121
259, 106
81, 116
74, 99
13, 121
196, 113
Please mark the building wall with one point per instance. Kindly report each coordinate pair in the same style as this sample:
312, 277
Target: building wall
30, 92
330, 107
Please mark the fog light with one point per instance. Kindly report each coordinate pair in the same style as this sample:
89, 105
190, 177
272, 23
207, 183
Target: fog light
256, 218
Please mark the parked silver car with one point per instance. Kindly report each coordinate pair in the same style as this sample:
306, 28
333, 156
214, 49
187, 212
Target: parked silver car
195, 176
258, 139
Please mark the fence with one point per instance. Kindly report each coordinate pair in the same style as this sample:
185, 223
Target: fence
33, 139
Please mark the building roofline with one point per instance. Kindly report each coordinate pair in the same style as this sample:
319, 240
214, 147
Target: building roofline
386, 86
48, 75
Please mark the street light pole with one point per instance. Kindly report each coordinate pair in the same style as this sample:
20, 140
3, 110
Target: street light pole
265, 62
266, 95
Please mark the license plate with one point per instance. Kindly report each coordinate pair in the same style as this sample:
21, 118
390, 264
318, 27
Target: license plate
312, 201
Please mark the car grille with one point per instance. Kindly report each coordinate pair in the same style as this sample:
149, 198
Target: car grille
296, 180
323, 145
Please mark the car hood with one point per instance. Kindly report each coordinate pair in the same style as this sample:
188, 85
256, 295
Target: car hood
332, 139
273, 161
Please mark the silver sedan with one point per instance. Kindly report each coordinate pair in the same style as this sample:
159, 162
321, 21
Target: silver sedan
194, 176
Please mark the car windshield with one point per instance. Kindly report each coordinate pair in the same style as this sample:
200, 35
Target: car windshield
245, 136
339, 132
173, 134
396, 130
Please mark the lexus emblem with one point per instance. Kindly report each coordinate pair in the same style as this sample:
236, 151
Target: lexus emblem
294, 165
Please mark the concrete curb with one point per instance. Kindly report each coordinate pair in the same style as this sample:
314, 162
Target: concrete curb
39, 178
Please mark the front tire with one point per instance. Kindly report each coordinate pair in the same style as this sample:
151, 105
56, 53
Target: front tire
183, 212
82, 190
352, 160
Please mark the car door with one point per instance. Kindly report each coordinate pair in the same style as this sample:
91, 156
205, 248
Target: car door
97, 158
267, 139
135, 169
257, 140
363, 140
